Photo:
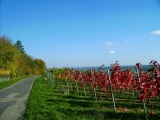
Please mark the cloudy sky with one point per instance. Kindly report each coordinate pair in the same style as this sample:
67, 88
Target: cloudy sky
84, 32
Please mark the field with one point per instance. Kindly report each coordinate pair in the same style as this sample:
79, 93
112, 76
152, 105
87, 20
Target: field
51, 100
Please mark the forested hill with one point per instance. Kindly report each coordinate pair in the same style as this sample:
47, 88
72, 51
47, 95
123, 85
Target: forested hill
15, 62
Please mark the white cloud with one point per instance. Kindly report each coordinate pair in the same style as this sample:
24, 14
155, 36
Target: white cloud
157, 32
111, 52
109, 43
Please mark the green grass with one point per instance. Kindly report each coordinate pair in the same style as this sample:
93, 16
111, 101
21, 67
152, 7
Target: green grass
7, 83
50, 101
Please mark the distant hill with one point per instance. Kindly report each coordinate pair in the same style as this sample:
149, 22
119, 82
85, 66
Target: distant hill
144, 67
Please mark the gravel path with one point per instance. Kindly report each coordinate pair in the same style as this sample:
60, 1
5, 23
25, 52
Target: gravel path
13, 99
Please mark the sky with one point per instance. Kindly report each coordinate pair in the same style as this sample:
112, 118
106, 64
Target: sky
80, 33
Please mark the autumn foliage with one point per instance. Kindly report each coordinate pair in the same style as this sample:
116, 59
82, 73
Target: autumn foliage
145, 83
15, 62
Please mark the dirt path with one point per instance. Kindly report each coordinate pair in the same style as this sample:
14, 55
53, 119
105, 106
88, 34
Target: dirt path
13, 100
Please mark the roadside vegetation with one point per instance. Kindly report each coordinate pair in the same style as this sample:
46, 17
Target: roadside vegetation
50, 100
16, 64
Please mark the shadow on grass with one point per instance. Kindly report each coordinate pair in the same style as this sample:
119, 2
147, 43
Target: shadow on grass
82, 100
75, 100
97, 114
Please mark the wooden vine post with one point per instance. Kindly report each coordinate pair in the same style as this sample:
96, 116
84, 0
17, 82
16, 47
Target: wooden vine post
108, 72
93, 80
74, 73
84, 90
144, 104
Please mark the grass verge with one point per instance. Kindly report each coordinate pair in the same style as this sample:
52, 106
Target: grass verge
50, 101
7, 83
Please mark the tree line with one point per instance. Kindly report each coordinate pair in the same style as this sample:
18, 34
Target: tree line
15, 62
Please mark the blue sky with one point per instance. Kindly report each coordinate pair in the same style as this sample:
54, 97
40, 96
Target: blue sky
84, 32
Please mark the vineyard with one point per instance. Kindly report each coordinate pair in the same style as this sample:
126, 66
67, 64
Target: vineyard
116, 85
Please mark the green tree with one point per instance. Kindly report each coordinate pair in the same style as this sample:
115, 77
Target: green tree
20, 46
